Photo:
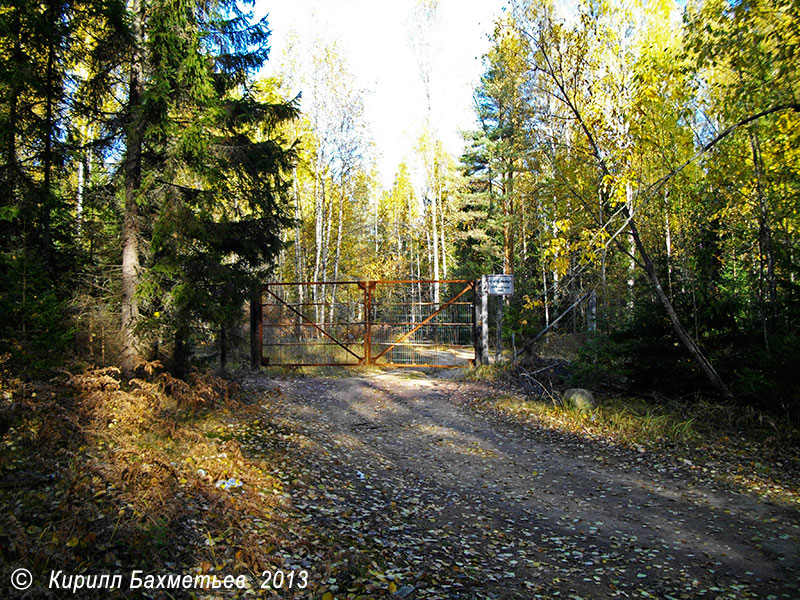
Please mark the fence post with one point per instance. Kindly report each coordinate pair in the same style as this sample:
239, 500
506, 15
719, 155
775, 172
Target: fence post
476, 315
367, 286
499, 348
481, 329
255, 328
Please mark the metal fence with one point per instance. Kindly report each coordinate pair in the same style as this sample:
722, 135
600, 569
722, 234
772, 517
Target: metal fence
390, 323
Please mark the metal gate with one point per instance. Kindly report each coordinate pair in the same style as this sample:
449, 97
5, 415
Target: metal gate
385, 323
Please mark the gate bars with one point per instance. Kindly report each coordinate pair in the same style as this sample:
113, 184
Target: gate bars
392, 323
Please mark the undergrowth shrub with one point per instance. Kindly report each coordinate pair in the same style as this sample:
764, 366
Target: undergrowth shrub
601, 363
644, 354
123, 473
33, 329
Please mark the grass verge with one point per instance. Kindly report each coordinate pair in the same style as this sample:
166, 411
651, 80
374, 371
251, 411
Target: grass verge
98, 475
745, 449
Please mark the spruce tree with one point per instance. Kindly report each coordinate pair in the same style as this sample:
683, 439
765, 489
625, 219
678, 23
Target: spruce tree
34, 258
205, 174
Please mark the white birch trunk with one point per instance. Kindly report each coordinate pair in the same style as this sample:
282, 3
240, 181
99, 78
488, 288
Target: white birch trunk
435, 251
298, 248
546, 297
326, 247
441, 232
338, 254
631, 249
318, 215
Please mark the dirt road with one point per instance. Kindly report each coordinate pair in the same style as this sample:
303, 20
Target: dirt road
448, 502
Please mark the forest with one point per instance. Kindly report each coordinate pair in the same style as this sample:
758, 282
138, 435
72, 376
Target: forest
635, 165
643, 155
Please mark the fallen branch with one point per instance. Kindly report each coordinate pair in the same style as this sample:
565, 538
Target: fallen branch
543, 369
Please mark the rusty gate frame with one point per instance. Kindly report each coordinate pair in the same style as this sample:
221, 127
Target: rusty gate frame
367, 287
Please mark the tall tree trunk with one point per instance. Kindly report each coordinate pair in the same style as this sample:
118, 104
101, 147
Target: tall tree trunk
326, 247
419, 285
546, 297
430, 256
556, 279
435, 251
11, 166
338, 253
47, 159
318, 231
441, 234
604, 280
79, 195
223, 347
766, 267
397, 226
180, 349
129, 355
298, 242
632, 253
591, 313
668, 241
508, 211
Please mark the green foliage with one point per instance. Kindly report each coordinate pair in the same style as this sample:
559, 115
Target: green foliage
36, 243
209, 183
214, 176
602, 363
33, 328
478, 249
574, 171
643, 355
495, 160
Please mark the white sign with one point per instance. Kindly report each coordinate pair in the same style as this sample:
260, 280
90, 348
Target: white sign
500, 285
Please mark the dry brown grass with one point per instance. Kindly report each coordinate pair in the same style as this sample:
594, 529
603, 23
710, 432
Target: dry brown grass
134, 467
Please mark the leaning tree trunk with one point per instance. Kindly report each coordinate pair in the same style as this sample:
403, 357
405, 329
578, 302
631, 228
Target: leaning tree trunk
705, 365
680, 331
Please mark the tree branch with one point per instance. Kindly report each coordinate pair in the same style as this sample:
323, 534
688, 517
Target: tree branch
529, 344
658, 184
